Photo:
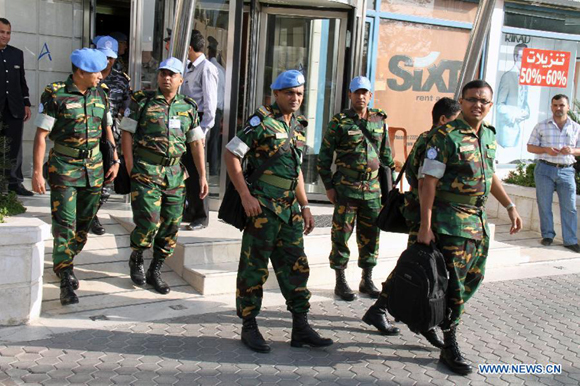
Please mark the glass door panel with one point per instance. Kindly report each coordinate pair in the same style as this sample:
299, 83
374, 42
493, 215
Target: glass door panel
311, 45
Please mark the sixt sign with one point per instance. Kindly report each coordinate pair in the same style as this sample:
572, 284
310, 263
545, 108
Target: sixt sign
409, 73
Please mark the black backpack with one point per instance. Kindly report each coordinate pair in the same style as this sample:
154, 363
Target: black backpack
416, 289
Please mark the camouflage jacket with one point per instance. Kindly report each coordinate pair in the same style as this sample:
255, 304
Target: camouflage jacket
463, 161
353, 151
412, 210
73, 120
118, 91
162, 128
259, 140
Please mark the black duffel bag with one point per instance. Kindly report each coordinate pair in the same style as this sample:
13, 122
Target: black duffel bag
391, 217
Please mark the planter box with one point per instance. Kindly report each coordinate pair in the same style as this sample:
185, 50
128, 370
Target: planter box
21, 268
525, 200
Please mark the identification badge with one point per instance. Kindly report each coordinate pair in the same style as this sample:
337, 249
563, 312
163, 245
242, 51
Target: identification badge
71, 106
354, 132
281, 135
174, 123
467, 148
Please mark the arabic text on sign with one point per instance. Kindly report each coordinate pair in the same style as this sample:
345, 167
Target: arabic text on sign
544, 68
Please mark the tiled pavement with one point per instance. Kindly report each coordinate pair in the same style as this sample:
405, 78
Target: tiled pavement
530, 321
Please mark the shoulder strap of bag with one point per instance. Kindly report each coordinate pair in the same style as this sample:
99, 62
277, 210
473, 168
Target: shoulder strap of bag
281, 150
103, 96
369, 138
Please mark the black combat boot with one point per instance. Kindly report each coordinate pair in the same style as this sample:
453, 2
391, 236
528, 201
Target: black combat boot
252, 338
366, 285
136, 267
96, 227
377, 316
74, 282
450, 354
153, 277
67, 293
342, 289
433, 338
303, 334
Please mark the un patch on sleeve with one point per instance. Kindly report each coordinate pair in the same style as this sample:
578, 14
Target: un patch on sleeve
432, 153
40, 108
255, 121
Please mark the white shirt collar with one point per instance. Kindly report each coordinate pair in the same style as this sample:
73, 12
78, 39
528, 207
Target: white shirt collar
199, 60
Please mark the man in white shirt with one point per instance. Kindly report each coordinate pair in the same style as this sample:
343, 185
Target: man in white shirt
201, 84
557, 142
214, 137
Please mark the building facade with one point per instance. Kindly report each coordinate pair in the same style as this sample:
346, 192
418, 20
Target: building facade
411, 49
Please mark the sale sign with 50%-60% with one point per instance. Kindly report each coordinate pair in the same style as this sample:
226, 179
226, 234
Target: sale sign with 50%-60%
544, 68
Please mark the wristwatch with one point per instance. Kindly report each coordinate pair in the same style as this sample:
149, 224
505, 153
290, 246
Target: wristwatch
117, 161
304, 207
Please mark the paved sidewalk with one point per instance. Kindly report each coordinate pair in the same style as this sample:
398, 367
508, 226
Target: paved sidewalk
529, 321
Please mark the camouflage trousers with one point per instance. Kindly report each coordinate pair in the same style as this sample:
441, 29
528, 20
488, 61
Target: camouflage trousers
73, 209
365, 212
157, 212
265, 237
465, 260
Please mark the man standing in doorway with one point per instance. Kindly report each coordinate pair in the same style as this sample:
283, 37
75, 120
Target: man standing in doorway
278, 211
214, 136
14, 106
201, 84
157, 128
459, 174
360, 140
557, 142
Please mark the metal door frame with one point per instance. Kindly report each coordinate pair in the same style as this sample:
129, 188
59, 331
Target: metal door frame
294, 12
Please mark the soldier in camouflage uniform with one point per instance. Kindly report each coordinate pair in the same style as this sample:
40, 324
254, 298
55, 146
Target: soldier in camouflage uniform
71, 115
156, 129
458, 176
278, 212
116, 83
355, 189
445, 110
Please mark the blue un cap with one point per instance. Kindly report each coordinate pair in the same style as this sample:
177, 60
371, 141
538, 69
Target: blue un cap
108, 46
360, 82
96, 39
173, 65
89, 60
288, 79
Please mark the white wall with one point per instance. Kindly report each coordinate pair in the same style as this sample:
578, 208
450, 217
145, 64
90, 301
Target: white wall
59, 24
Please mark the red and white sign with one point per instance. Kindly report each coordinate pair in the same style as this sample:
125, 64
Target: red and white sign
544, 68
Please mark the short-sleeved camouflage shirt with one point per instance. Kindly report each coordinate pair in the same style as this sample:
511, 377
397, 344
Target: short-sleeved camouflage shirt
353, 151
463, 161
161, 128
74, 120
264, 133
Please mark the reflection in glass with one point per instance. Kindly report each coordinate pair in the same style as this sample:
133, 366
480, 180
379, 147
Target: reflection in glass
456, 10
309, 45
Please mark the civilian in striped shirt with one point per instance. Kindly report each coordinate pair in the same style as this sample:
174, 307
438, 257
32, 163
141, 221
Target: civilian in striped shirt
557, 142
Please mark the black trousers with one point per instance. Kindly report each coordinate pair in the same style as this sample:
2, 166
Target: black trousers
12, 129
196, 210
214, 144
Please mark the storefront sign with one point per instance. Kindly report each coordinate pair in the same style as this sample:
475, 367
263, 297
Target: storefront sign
544, 68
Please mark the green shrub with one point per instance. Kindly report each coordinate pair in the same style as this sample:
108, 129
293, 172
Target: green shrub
524, 176
10, 206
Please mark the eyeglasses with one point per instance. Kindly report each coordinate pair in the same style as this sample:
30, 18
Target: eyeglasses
475, 100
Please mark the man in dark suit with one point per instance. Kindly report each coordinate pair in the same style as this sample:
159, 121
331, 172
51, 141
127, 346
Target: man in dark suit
14, 106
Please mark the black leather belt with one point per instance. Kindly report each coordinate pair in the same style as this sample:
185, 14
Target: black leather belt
561, 166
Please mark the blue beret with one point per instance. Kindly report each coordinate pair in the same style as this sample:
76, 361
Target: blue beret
108, 46
288, 79
173, 65
360, 82
89, 60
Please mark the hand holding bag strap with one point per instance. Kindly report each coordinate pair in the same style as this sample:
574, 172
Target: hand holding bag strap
262, 168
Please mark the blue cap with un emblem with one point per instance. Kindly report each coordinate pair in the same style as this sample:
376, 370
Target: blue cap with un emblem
288, 79
89, 60
360, 82
108, 46
173, 65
